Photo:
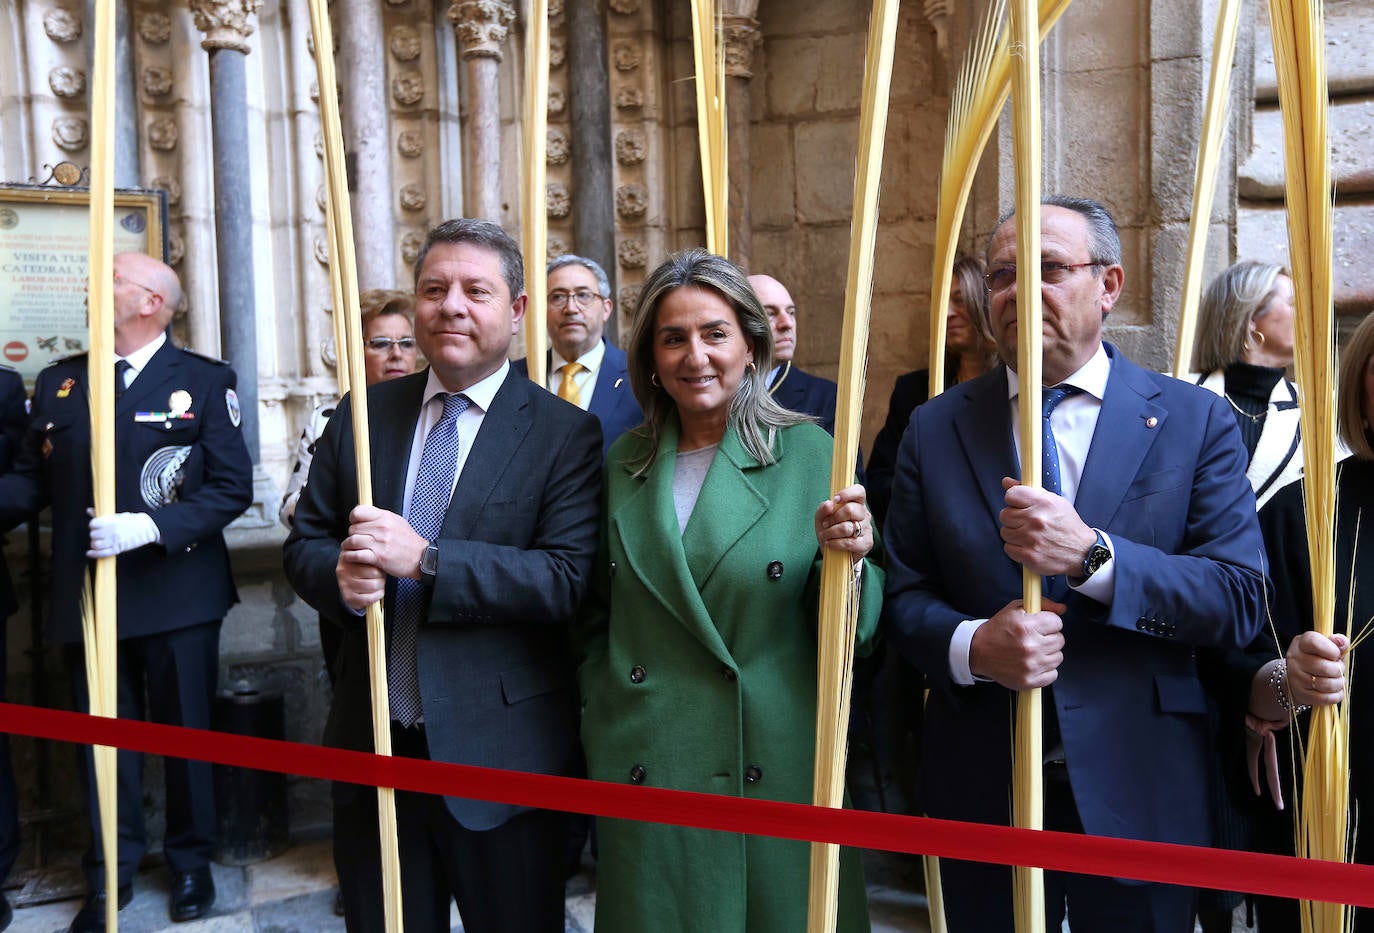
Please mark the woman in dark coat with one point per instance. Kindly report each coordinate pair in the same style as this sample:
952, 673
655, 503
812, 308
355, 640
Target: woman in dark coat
1292, 668
699, 641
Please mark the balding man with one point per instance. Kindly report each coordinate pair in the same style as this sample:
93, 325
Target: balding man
182, 473
793, 388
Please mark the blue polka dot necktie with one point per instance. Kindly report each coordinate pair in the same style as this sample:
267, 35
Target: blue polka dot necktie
1049, 450
428, 503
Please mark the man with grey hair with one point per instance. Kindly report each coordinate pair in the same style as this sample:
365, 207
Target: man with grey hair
1144, 529
583, 367
479, 545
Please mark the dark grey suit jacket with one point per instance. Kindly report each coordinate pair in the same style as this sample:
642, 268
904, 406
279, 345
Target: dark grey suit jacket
515, 553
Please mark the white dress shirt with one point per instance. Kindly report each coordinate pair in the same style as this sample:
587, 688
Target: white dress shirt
1073, 422
585, 380
138, 360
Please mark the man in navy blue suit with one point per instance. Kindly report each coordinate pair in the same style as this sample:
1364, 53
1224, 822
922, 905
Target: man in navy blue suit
584, 368
793, 388
1150, 550
14, 419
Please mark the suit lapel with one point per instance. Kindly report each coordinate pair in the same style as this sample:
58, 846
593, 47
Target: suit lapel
610, 382
1126, 430
391, 431
647, 525
503, 429
984, 430
727, 509
152, 391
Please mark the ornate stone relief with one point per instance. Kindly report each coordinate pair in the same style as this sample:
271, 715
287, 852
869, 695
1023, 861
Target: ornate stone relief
70, 133
163, 134
67, 83
631, 201
329, 354
742, 36
626, 56
629, 98
227, 24
319, 145
408, 89
321, 251
556, 146
155, 28
555, 9
558, 51
557, 200
315, 90
937, 11
411, 144
629, 147
558, 101
481, 26
413, 197
410, 247
405, 44
631, 254
322, 197
557, 247
62, 24
629, 298
157, 81
176, 248
170, 185
624, 7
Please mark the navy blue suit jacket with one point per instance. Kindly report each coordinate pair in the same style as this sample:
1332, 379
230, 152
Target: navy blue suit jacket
612, 401
13, 420
192, 474
1165, 478
797, 390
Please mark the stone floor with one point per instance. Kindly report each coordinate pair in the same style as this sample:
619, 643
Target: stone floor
295, 892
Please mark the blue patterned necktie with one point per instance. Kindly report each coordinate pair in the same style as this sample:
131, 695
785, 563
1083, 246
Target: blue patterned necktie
428, 503
1049, 450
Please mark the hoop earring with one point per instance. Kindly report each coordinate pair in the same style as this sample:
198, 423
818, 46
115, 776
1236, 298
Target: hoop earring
653, 380
1258, 337
753, 370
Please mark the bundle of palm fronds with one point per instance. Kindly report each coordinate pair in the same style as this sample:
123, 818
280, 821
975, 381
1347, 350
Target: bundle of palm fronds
534, 216
711, 135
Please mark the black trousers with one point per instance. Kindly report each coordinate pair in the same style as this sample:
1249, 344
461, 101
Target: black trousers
978, 896
505, 880
9, 794
169, 678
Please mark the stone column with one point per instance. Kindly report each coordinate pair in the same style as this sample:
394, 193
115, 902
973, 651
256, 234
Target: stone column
227, 25
127, 170
365, 115
589, 96
742, 34
481, 27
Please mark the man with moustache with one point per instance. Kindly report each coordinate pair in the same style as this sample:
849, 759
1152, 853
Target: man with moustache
583, 367
793, 388
1146, 535
479, 546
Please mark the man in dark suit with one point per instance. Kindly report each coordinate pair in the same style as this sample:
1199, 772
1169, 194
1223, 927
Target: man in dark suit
182, 473
13, 420
793, 388
479, 546
1150, 547
583, 367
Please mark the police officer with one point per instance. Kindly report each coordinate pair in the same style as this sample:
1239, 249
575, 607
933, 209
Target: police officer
13, 418
182, 473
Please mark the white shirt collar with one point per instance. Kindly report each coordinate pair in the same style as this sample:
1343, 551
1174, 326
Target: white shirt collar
479, 393
140, 357
1091, 377
591, 360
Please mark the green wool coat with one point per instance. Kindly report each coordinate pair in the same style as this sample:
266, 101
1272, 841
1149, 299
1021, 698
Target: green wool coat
699, 674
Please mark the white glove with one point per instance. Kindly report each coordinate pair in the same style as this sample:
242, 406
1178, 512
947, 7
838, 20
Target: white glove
124, 531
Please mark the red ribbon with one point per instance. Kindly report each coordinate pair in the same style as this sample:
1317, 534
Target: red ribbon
1193, 866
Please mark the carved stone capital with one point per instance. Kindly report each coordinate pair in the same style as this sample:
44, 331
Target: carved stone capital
742, 36
227, 24
937, 12
481, 26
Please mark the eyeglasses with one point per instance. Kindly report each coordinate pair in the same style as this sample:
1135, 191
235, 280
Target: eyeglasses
1000, 278
124, 278
559, 300
384, 344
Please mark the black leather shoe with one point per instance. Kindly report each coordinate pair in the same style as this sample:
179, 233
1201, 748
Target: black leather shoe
91, 917
193, 894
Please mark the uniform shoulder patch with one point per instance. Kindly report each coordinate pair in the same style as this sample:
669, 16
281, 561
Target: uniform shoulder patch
5, 368
70, 357
203, 356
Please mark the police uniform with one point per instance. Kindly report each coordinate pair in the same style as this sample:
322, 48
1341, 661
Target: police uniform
180, 457
13, 420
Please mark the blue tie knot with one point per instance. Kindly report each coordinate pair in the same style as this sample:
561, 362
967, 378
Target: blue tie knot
1051, 398
454, 405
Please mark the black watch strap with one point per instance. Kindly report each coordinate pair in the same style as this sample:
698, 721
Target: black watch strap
1098, 555
429, 564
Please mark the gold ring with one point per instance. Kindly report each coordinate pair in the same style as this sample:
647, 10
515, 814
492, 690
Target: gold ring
1314, 683
858, 529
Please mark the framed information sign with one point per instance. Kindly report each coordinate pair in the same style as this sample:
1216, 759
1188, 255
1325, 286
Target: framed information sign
44, 239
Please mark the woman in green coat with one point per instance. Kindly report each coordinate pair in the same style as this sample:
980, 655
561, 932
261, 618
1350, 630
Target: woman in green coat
699, 668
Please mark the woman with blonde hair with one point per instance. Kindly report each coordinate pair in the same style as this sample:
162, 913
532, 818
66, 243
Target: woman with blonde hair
1244, 345
699, 639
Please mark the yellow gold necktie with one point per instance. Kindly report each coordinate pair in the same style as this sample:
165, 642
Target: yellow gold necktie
568, 390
